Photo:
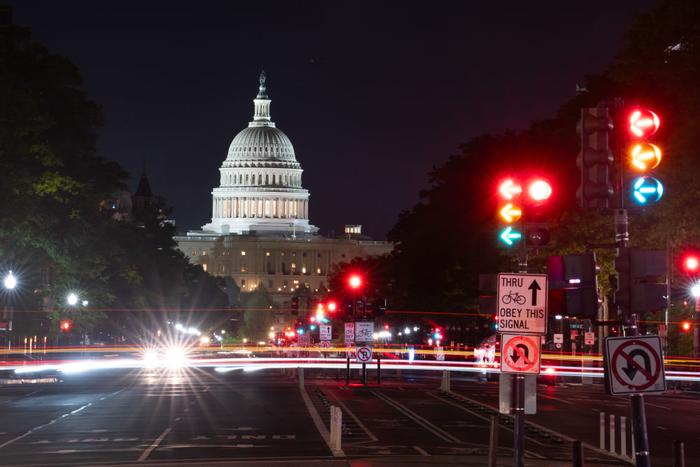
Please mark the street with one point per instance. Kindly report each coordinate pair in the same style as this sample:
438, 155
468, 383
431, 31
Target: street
136, 416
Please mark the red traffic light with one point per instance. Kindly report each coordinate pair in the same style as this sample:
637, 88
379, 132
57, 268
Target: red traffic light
509, 189
644, 123
685, 326
691, 263
65, 325
355, 281
539, 190
331, 306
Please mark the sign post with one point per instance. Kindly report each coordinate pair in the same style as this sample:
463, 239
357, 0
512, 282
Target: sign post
634, 365
522, 319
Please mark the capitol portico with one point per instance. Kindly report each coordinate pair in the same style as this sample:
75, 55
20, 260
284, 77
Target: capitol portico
260, 234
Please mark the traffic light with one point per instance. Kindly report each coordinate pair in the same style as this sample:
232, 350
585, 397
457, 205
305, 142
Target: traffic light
331, 306
538, 193
690, 263
573, 285
65, 325
644, 157
595, 159
509, 212
355, 281
642, 276
685, 326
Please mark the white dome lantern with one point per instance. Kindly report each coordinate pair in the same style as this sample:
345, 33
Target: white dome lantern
260, 189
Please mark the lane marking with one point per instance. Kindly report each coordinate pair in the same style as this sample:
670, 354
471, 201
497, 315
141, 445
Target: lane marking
657, 406
437, 431
487, 419
421, 451
316, 418
147, 452
37, 428
556, 399
354, 417
662, 428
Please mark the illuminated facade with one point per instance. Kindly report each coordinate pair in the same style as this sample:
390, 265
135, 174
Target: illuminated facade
260, 234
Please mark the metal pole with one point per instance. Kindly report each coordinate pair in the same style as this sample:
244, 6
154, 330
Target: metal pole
519, 422
678, 454
602, 430
641, 440
364, 373
379, 370
347, 373
577, 454
493, 441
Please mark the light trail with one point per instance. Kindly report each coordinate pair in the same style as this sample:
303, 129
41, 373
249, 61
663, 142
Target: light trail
228, 364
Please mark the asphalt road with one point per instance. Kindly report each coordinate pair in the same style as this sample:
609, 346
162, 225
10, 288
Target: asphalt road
574, 410
140, 417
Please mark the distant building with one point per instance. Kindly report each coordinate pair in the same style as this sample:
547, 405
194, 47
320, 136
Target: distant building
260, 234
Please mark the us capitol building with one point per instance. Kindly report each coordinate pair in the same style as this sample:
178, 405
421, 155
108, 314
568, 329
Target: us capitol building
260, 234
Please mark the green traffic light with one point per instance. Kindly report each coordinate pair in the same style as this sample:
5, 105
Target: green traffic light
509, 236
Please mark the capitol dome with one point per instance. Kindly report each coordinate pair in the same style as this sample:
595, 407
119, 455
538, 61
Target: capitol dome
260, 188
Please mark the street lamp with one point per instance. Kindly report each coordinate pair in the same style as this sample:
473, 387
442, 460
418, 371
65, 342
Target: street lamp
10, 281
72, 299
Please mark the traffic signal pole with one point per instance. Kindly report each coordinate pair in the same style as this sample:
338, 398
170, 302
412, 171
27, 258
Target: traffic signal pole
518, 405
622, 239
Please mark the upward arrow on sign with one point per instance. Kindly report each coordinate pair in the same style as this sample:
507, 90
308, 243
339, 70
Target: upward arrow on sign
534, 287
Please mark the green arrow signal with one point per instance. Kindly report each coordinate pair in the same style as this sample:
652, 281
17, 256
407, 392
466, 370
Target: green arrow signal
510, 236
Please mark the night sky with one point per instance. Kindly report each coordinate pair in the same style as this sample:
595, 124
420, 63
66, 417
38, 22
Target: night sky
372, 94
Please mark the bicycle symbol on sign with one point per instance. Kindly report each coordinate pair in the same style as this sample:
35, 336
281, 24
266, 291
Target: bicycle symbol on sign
514, 297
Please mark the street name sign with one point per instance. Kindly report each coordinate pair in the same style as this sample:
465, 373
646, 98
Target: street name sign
520, 354
324, 331
522, 303
363, 353
634, 365
364, 331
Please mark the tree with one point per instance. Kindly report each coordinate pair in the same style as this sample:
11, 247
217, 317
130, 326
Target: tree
257, 315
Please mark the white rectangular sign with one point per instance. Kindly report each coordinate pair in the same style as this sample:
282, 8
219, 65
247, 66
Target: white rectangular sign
364, 331
324, 331
589, 338
522, 303
558, 338
349, 332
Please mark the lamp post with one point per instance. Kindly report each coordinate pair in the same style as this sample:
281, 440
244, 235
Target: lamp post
10, 284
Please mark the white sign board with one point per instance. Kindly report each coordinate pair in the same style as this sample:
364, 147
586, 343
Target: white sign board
324, 332
589, 338
634, 365
364, 331
349, 333
520, 354
363, 353
439, 353
522, 303
558, 338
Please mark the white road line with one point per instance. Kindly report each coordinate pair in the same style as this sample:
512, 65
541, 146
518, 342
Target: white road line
421, 451
662, 428
149, 449
440, 433
37, 428
657, 406
556, 399
464, 409
316, 418
354, 417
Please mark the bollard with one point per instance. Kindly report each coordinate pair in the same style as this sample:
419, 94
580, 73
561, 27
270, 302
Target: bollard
678, 454
445, 382
379, 370
493, 441
623, 435
612, 433
336, 429
602, 430
347, 374
577, 454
